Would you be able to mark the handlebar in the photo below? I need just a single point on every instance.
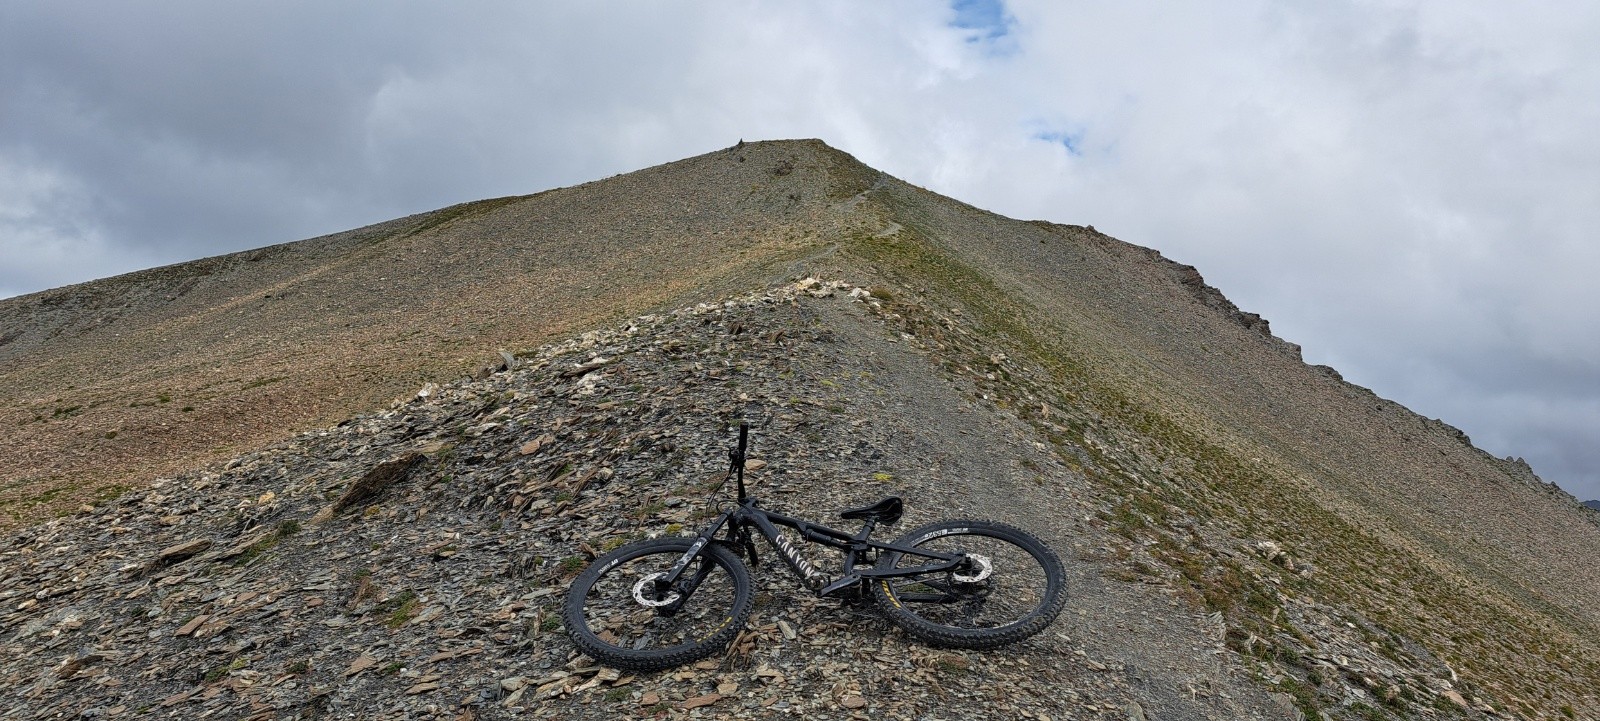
(737, 457)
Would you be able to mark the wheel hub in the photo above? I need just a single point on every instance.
(646, 587)
(981, 569)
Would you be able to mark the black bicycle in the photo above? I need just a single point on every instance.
(665, 602)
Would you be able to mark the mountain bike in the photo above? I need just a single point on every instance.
(665, 602)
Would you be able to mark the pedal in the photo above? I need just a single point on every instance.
(836, 589)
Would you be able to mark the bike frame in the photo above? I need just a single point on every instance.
(856, 548)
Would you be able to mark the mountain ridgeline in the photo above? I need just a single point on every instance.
(1249, 536)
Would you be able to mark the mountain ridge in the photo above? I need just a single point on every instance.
(1272, 495)
(441, 291)
(587, 443)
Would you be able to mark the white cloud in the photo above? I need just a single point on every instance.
(1405, 188)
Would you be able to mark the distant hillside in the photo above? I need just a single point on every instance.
(1592, 504)
(1299, 543)
(116, 381)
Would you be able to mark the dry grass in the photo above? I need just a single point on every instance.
(262, 344)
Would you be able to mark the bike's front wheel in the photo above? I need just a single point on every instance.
(622, 613)
(1009, 588)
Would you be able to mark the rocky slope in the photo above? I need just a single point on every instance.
(252, 590)
(1249, 536)
(113, 382)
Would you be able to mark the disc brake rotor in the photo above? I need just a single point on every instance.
(983, 568)
(649, 582)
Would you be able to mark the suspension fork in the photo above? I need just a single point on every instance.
(673, 579)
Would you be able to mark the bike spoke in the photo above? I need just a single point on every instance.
(924, 590)
(1011, 584)
(614, 612)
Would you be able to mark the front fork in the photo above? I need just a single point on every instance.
(673, 580)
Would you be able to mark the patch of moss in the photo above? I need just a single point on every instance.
(400, 608)
(571, 566)
(283, 530)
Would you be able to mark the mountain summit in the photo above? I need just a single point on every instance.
(353, 472)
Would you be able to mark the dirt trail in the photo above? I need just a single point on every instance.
(961, 456)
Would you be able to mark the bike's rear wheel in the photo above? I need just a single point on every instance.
(1012, 589)
(618, 614)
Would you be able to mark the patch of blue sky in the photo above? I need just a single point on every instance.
(985, 23)
(1071, 140)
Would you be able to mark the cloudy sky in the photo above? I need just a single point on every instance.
(1409, 190)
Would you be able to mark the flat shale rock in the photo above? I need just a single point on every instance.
(449, 524)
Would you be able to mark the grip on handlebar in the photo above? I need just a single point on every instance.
(744, 438)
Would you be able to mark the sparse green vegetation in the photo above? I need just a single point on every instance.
(217, 672)
(1305, 697)
(66, 412)
(283, 530)
(1119, 437)
(460, 211)
(110, 493)
(17, 506)
(571, 566)
(400, 608)
(257, 383)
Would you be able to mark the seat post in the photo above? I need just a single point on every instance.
(872, 522)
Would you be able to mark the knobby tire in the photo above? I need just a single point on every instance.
(606, 621)
(1023, 593)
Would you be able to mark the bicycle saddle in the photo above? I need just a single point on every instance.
(887, 511)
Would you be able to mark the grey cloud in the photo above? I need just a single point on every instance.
(1404, 189)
